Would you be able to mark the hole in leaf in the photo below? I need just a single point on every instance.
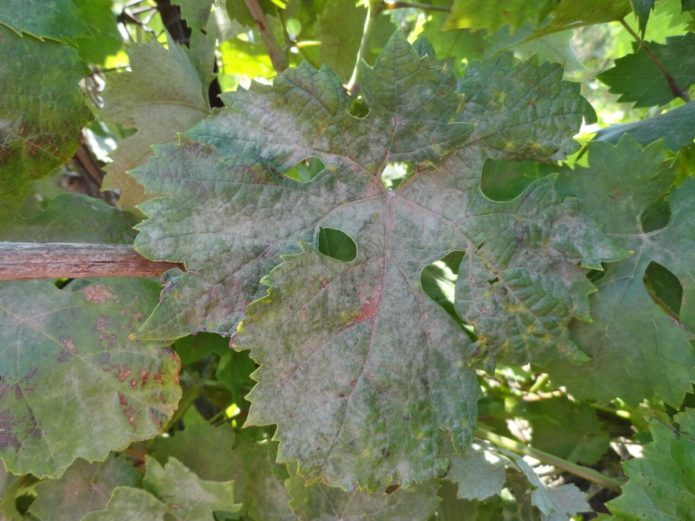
(505, 180)
(664, 288)
(358, 108)
(395, 173)
(337, 245)
(596, 275)
(656, 215)
(305, 170)
(438, 281)
(61, 283)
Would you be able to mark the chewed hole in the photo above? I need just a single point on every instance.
(664, 288)
(395, 173)
(596, 275)
(337, 245)
(358, 108)
(305, 170)
(505, 180)
(438, 281)
(655, 216)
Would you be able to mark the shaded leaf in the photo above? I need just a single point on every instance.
(481, 14)
(642, 10)
(84, 487)
(620, 183)
(636, 78)
(68, 365)
(34, 141)
(161, 96)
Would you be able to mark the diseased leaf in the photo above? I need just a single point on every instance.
(636, 78)
(331, 336)
(34, 141)
(67, 365)
(676, 127)
(630, 334)
(185, 494)
(478, 473)
(161, 96)
(130, 504)
(84, 487)
(661, 484)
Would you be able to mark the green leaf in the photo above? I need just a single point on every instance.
(661, 484)
(67, 365)
(676, 127)
(571, 14)
(84, 487)
(185, 494)
(87, 25)
(161, 96)
(620, 183)
(636, 78)
(130, 504)
(481, 14)
(478, 473)
(195, 12)
(10, 487)
(642, 9)
(35, 141)
(63, 219)
(364, 322)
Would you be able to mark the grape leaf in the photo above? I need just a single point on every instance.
(67, 366)
(34, 141)
(161, 95)
(642, 10)
(631, 335)
(83, 488)
(676, 127)
(636, 78)
(88, 25)
(661, 484)
(195, 12)
(478, 473)
(570, 14)
(481, 14)
(9, 489)
(130, 504)
(185, 494)
(362, 323)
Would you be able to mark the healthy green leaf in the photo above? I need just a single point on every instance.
(87, 25)
(570, 14)
(361, 323)
(620, 183)
(161, 96)
(479, 14)
(676, 127)
(642, 10)
(185, 494)
(35, 141)
(84, 487)
(637, 78)
(130, 504)
(661, 485)
(195, 12)
(68, 366)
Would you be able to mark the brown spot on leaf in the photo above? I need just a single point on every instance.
(123, 374)
(127, 409)
(7, 439)
(370, 306)
(97, 293)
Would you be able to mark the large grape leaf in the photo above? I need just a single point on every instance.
(355, 354)
(636, 78)
(130, 504)
(35, 141)
(160, 96)
(661, 485)
(632, 335)
(481, 14)
(83, 488)
(68, 368)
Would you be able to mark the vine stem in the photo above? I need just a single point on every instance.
(573, 468)
(675, 88)
(23, 261)
(373, 9)
(277, 56)
(389, 6)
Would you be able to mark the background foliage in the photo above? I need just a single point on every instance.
(451, 243)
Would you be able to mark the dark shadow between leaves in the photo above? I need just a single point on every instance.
(358, 108)
(657, 215)
(664, 288)
(504, 180)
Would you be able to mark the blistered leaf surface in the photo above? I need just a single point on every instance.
(67, 366)
(360, 369)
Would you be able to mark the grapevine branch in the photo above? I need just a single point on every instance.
(277, 56)
(415, 5)
(22, 261)
(675, 88)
